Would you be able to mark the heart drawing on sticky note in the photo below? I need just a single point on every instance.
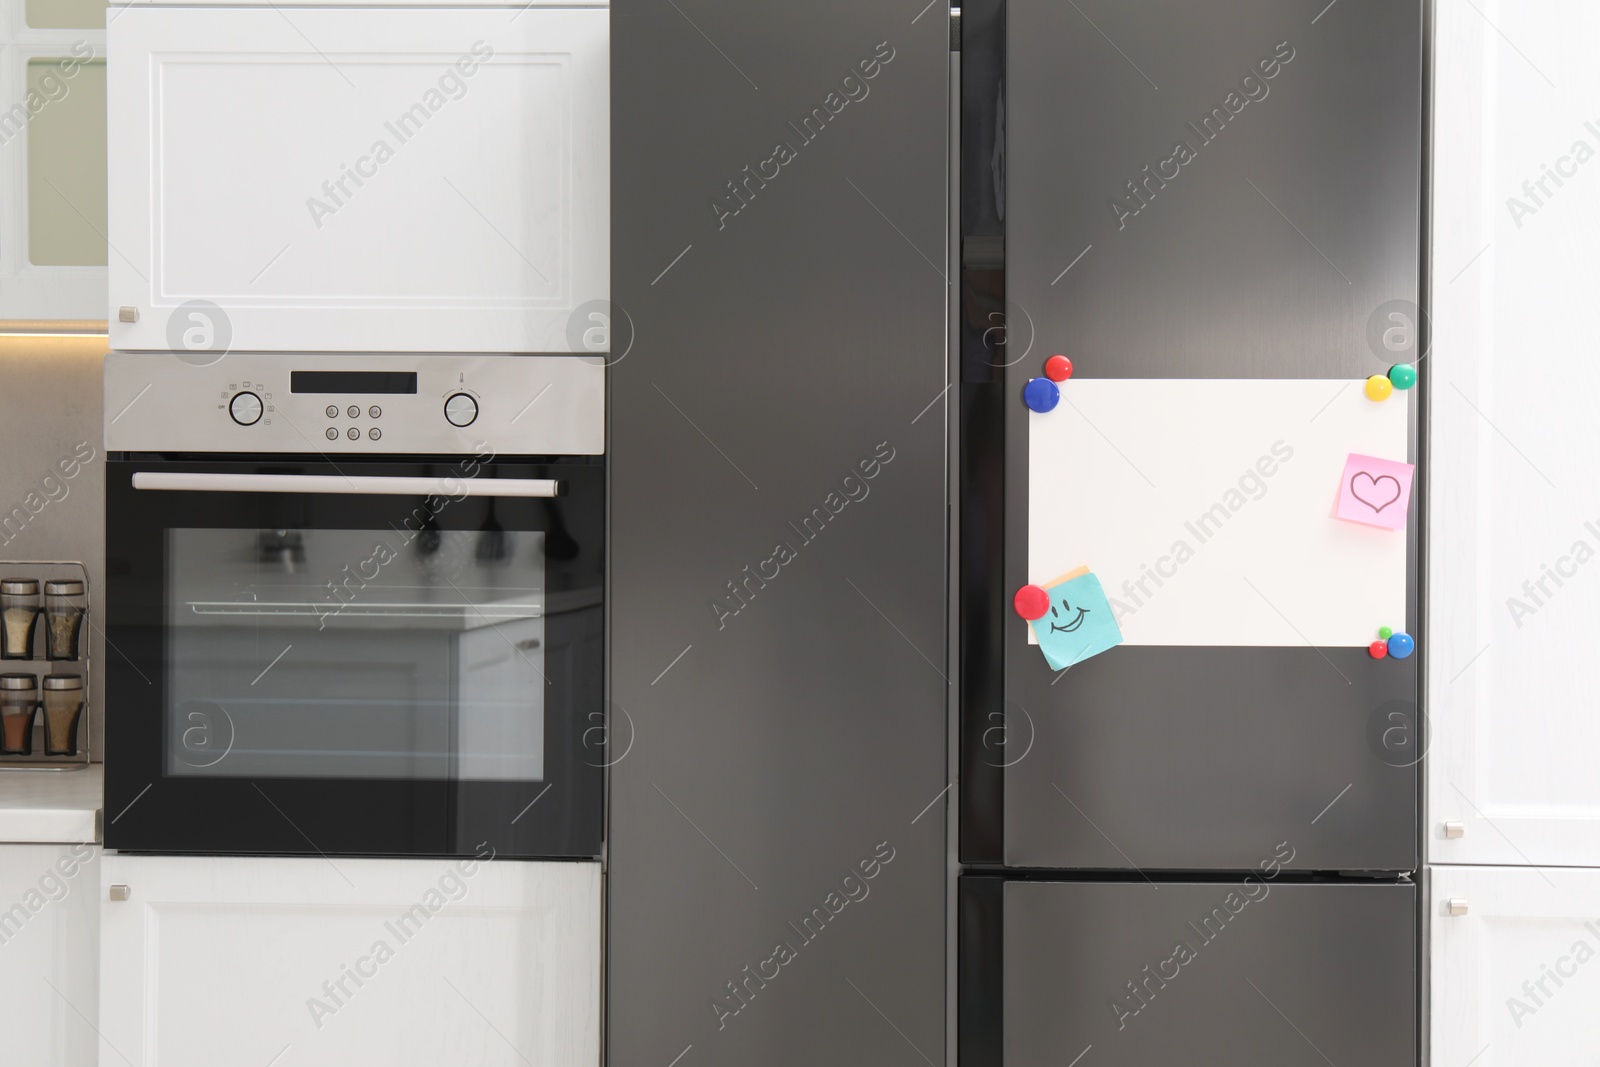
(1376, 493)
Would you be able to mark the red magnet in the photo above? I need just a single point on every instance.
(1031, 602)
(1058, 368)
(1378, 649)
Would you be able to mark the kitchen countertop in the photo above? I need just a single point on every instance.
(51, 806)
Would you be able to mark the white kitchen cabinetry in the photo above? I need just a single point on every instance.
(48, 947)
(1516, 973)
(342, 961)
(1514, 489)
(358, 178)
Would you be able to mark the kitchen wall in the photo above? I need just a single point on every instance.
(50, 411)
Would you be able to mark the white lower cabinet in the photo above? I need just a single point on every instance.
(1515, 976)
(48, 945)
(311, 962)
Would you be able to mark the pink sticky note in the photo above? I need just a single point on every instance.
(1375, 491)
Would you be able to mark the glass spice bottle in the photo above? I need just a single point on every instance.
(63, 707)
(64, 606)
(19, 615)
(19, 703)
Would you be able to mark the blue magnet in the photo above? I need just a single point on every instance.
(1401, 646)
(1041, 394)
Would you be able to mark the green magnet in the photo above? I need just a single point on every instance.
(1385, 633)
(1403, 375)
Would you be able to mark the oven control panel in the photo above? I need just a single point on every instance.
(422, 404)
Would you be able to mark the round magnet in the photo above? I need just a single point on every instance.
(1385, 632)
(1058, 368)
(1041, 394)
(1379, 387)
(1402, 376)
(1401, 646)
(1031, 602)
(1378, 649)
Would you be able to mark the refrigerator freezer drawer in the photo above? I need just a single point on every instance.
(1236, 971)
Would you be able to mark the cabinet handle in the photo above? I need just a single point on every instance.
(528, 644)
(1457, 906)
(1454, 830)
(121, 892)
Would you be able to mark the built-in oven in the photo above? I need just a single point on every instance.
(355, 605)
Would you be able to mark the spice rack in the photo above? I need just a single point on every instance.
(41, 666)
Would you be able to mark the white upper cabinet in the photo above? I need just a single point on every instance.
(52, 160)
(1516, 968)
(1514, 489)
(358, 179)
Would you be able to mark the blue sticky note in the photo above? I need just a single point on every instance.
(1079, 623)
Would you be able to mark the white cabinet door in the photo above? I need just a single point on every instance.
(358, 179)
(1516, 979)
(1514, 490)
(49, 946)
(334, 962)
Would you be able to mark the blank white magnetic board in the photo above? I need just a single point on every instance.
(1206, 508)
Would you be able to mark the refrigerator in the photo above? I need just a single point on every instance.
(777, 885)
(1200, 845)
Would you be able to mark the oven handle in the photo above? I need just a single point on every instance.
(178, 481)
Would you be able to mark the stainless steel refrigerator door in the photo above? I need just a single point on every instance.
(1258, 972)
(1268, 255)
(1262, 251)
(777, 869)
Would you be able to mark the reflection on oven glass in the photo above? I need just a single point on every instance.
(356, 654)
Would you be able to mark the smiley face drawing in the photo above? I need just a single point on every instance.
(1079, 623)
(1065, 612)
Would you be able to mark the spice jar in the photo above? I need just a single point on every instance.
(64, 605)
(63, 707)
(19, 702)
(19, 614)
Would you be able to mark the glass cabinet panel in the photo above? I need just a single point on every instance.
(65, 14)
(67, 163)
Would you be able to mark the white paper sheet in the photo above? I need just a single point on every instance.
(1206, 508)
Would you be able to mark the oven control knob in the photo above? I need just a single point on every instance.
(461, 410)
(245, 409)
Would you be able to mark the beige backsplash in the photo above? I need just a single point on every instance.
(50, 411)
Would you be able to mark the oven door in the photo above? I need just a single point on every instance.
(356, 658)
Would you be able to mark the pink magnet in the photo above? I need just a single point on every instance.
(1031, 602)
(1058, 368)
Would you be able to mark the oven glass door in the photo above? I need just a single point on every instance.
(381, 658)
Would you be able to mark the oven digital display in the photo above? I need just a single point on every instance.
(352, 381)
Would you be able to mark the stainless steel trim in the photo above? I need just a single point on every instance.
(181, 481)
